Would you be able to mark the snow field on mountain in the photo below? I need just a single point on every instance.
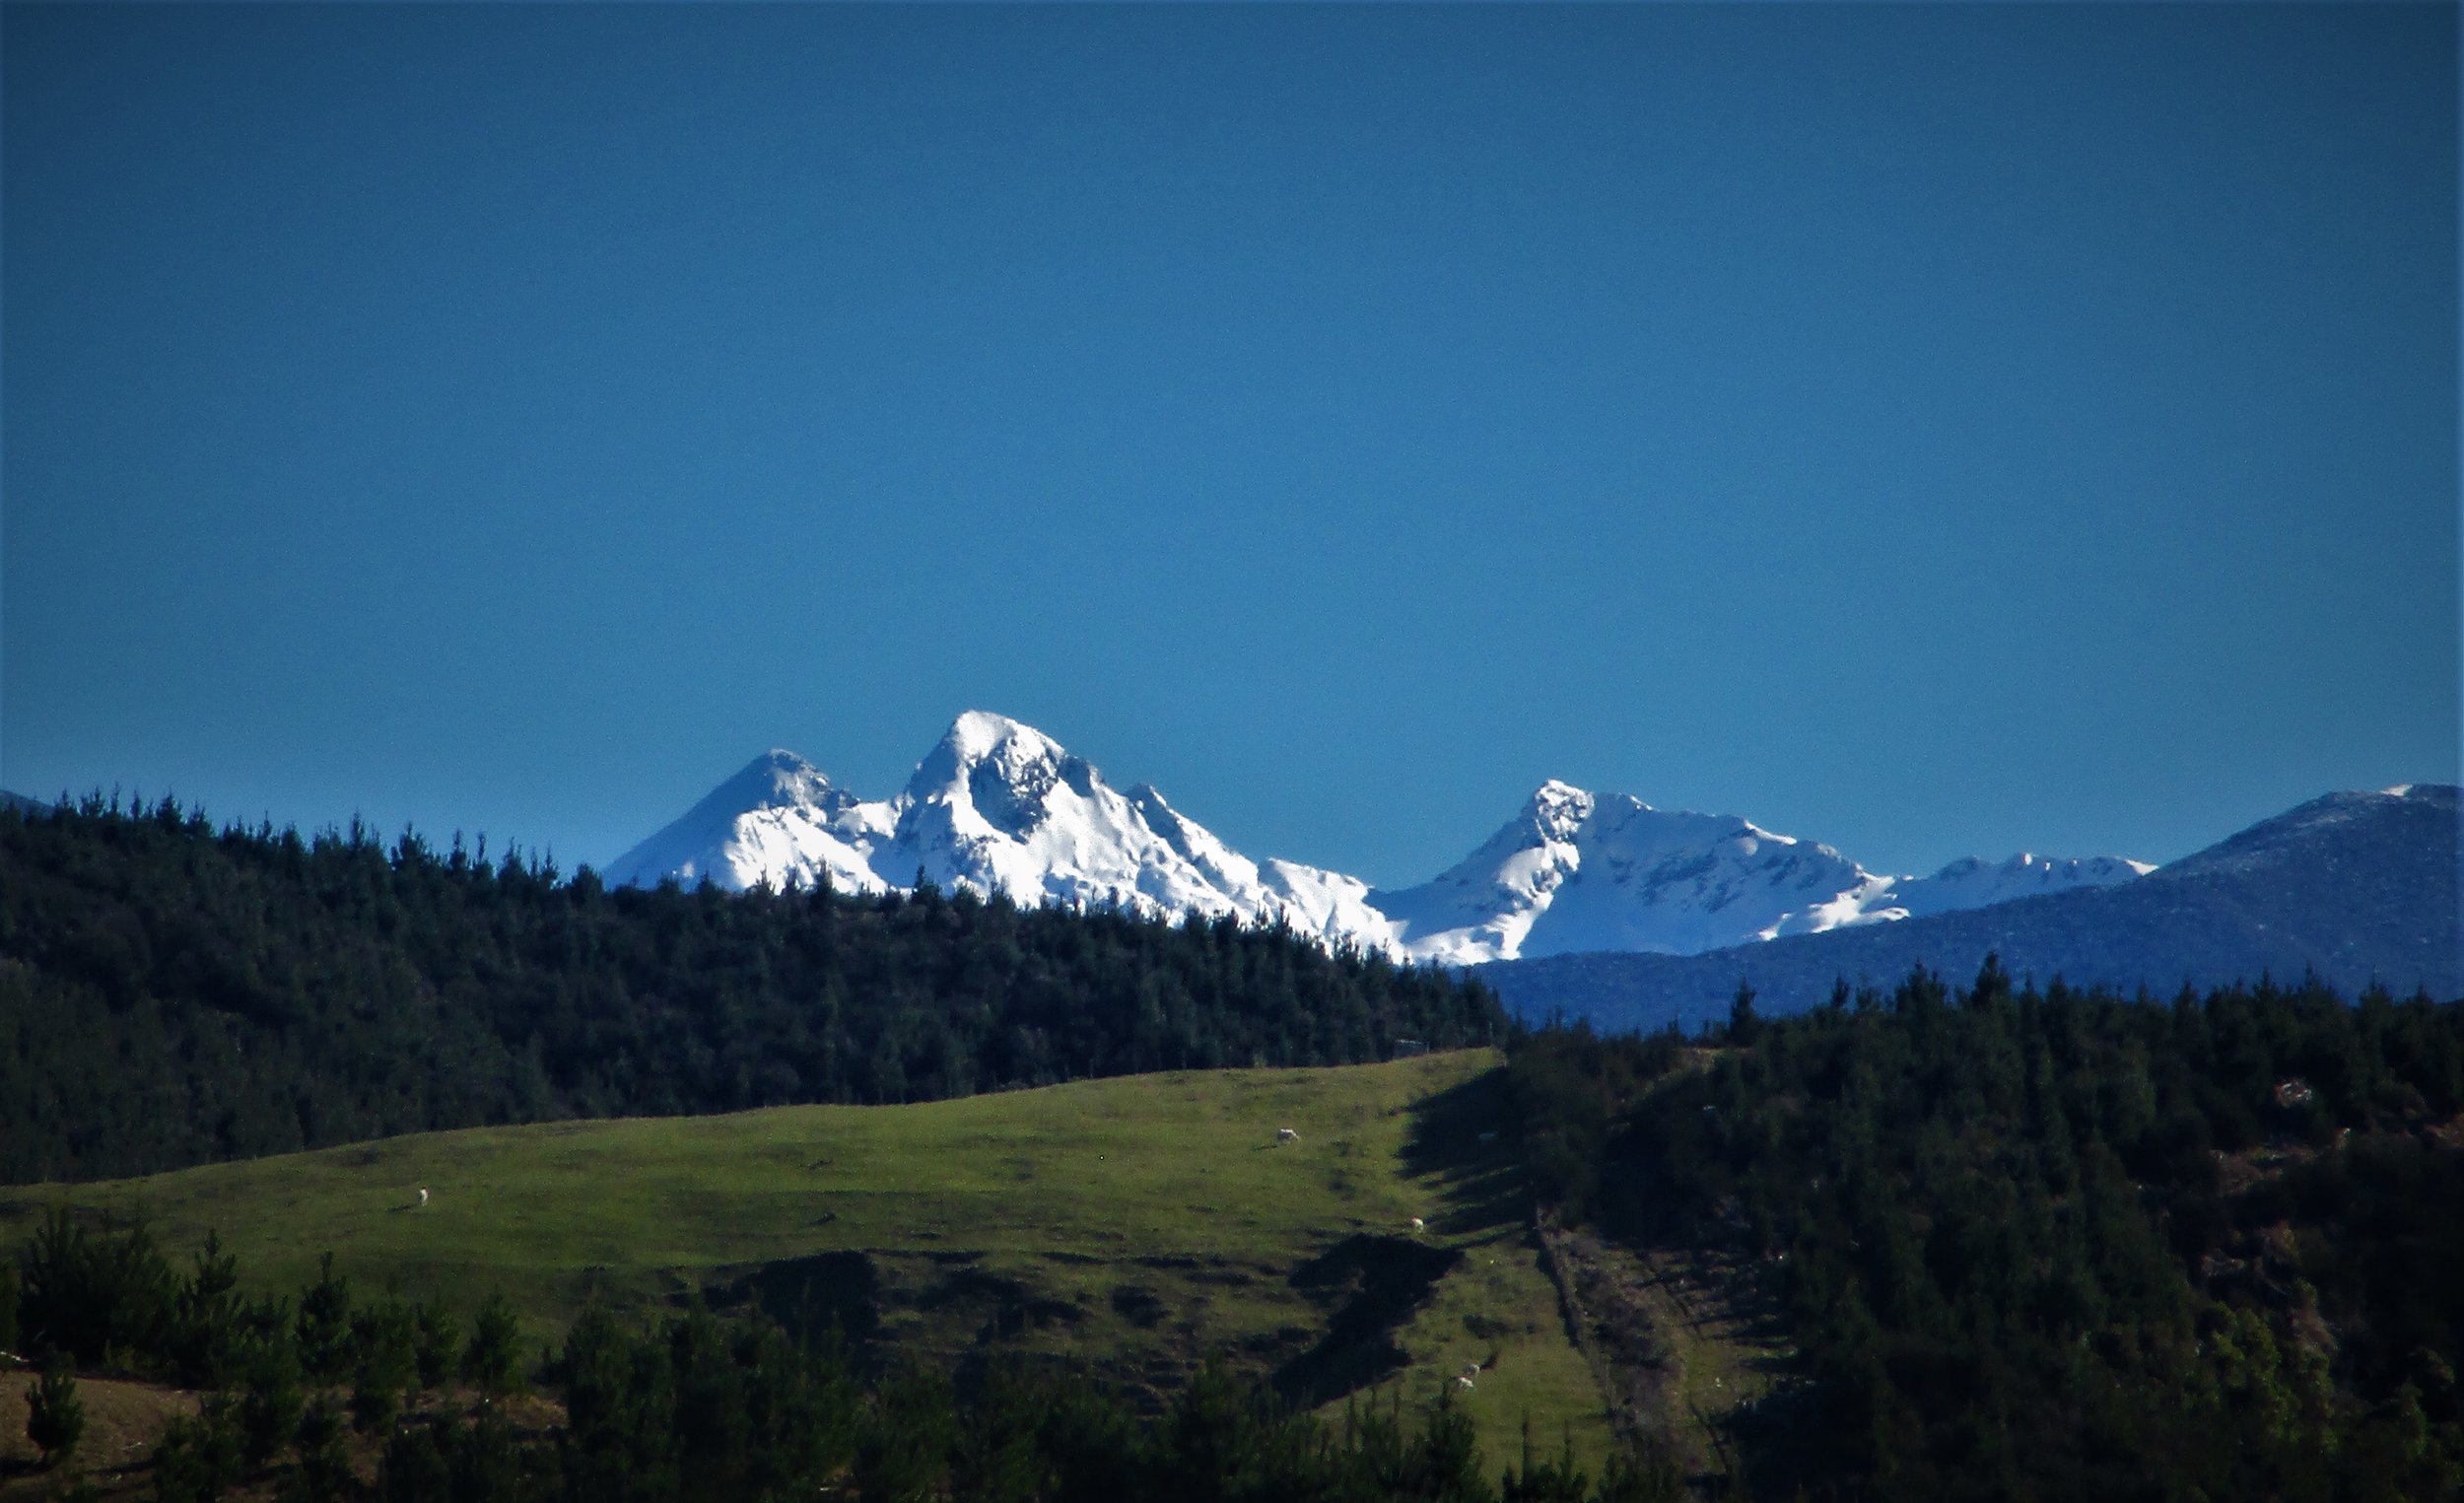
(999, 807)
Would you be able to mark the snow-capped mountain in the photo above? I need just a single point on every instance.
(1576, 872)
(779, 819)
(2354, 888)
(1974, 883)
(999, 807)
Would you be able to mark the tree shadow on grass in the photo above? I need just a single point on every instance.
(810, 1297)
(1464, 1145)
(1373, 1286)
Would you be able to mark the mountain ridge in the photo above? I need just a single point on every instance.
(2356, 888)
(997, 805)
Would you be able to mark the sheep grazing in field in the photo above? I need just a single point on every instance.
(1286, 1136)
(1419, 1225)
(423, 1195)
(1463, 1382)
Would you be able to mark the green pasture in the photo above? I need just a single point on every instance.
(1137, 1225)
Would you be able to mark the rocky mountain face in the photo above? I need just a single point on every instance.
(999, 807)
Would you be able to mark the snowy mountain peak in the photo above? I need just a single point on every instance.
(1973, 882)
(780, 778)
(980, 735)
(773, 780)
(1000, 773)
(778, 820)
(999, 807)
(1557, 810)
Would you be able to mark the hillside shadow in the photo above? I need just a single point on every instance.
(809, 1297)
(1461, 1147)
(1463, 1143)
(1374, 1284)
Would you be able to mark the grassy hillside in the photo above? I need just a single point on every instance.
(1135, 1224)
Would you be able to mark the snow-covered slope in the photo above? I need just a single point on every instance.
(2355, 888)
(1976, 883)
(1574, 871)
(1577, 872)
(999, 807)
(779, 819)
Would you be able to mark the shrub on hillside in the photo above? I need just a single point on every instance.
(55, 1417)
(94, 1295)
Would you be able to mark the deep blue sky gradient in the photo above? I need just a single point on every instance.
(1934, 430)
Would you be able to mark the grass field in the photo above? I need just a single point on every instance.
(1137, 1224)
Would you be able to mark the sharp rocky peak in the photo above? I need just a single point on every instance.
(1003, 763)
(981, 735)
(1557, 810)
(997, 804)
(778, 778)
(1014, 778)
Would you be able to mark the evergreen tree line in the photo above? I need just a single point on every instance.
(173, 994)
(2052, 1244)
(284, 1379)
(691, 1408)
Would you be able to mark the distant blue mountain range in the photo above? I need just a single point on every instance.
(2356, 887)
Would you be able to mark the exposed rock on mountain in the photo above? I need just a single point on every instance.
(999, 807)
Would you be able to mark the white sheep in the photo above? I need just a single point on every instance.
(423, 1195)
(1463, 1382)
(1286, 1136)
(1418, 1225)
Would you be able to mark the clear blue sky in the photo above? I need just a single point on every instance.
(1931, 429)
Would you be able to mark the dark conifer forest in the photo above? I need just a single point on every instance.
(173, 993)
(2040, 1244)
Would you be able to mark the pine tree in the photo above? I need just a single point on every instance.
(493, 1358)
(55, 1416)
(324, 1325)
(1743, 1025)
(325, 1463)
(436, 1346)
(269, 1398)
(205, 1330)
(384, 1350)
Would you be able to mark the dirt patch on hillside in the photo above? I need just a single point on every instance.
(124, 1422)
(1684, 1347)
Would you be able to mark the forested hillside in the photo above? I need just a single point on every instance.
(172, 993)
(337, 1394)
(2051, 1245)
